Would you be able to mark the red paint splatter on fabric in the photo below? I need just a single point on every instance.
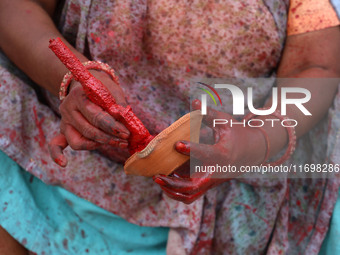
(304, 234)
(41, 138)
(111, 33)
(95, 38)
(201, 245)
(297, 6)
(12, 135)
(253, 210)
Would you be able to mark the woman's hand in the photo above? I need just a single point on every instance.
(235, 146)
(86, 126)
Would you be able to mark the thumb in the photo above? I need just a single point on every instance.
(202, 152)
(211, 115)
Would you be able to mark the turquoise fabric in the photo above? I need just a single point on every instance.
(51, 220)
(331, 244)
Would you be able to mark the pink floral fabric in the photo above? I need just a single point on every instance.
(156, 47)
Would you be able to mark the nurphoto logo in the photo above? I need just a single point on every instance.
(239, 104)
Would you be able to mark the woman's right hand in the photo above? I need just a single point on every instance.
(85, 125)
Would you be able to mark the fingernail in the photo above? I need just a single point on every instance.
(159, 181)
(181, 145)
(60, 161)
(124, 135)
(120, 133)
(123, 145)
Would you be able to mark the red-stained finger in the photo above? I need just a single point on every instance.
(183, 147)
(101, 119)
(202, 152)
(76, 140)
(56, 147)
(92, 133)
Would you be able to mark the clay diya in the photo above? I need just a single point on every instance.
(160, 156)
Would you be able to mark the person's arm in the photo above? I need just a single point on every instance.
(314, 56)
(26, 27)
(25, 30)
(310, 55)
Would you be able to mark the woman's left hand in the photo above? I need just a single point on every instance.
(234, 146)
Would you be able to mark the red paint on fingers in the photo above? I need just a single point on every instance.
(183, 147)
(101, 96)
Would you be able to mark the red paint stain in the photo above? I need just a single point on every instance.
(12, 135)
(41, 137)
(298, 202)
(297, 6)
(95, 38)
(183, 147)
(262, 56)
(253, 210)
(59, 161)
(153, 211)
(304, 234)
(111, 33)
(127, 187)
(201, 245)
(65, 244)
(24, 241)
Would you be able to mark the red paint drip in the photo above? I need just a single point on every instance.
(100, 95)
(38, 123)
(253, 210)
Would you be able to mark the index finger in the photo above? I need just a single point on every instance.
(101, 119)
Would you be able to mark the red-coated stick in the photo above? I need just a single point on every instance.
(100, 95)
